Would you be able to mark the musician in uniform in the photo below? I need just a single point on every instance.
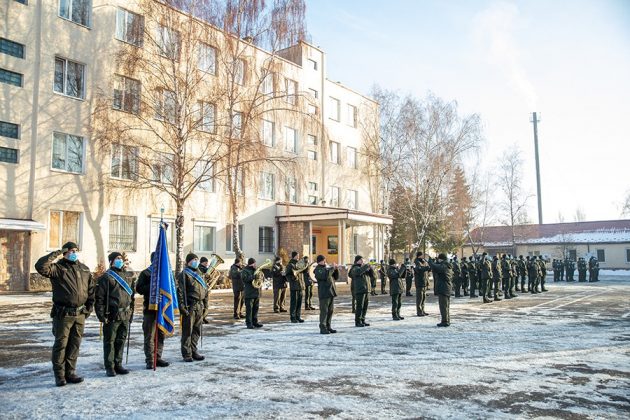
(192, 295)
(326, 291)
(421, 275)
(237, 288)
(252, 293)
(396, 287)
(114, 308)
(361, 274)
(308, 286)
(382, 273)
(296, 286)
(279, 286)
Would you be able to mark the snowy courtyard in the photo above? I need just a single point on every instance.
(561, 354)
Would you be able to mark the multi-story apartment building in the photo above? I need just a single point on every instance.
(59, 183)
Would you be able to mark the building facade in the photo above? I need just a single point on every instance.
(608, 241)
(57, 67)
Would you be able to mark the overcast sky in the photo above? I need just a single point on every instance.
(568, 60)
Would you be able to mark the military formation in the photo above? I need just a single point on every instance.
(76, 294)
(565, 270)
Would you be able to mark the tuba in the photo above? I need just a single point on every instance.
(259, 276)
(300, 267)
(213, 275)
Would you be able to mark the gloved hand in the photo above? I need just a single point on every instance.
(184, 310)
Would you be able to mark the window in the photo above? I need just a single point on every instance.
(22, 1)
(312, 63)
(334, 152)
(313, 244)
(204, 172)
(64, 227)
(351, 115)
(291, 192)
(312, 155)
(312, 186)
(601, 255)
(267, 84)
(11, 48)
(352, 198)
(265, 239)
(312, 200)
(124, 162)
(314, 93)
(129, 27)
(334, 196)
(268, 133)
(207, 117)
(628, 255)
(163, 168)
(228, 237)
(311, 109)
(573, 255)
(239, 72)
(10, 130)
(170, 234)
(204, 238)
(126, 94)
(290, 139)
(67, 153)
(352, 157)
(290, 91)
(168, 42)
(166, 106)
(69, 78)
(10, 77)
(8, 155)
(237, 124)
(267, 186)
(311, 140)
(334, 109)
(122, 233)
(208, 59)
(77, 11)
(354, 244)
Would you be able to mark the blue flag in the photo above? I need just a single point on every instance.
(163, 297)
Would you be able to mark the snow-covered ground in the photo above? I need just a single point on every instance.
(561, 354)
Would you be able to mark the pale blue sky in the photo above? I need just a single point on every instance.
(568, 60)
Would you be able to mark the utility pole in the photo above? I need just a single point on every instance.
(535, 121)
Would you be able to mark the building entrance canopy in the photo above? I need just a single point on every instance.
(21, 224)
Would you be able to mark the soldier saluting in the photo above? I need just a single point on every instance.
(114, 308)
(73, 301)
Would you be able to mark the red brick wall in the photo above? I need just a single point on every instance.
(292, 236)
(14, 246)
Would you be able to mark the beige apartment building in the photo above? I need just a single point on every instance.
(57, 65)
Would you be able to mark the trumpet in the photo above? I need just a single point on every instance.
(259, 276)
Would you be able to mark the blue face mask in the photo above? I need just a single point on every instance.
(194, 264)
(72, 257)
(119, 264)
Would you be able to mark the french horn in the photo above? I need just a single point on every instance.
(259, 276)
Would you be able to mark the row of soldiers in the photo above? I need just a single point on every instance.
(560, 268)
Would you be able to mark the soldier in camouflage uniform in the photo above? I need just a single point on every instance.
(570, 270)
(521, 270)
(582, 267)
(506, 275)
(396, 287)
(360, 274)
(457, 276)
(421, 278)
(472, 276)
(532, 275)
(326, 292)
(543, 273)
(192, 296)
(486, 277)
(496, 277)
(73, 301)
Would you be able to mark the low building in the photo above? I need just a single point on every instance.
(608, 241)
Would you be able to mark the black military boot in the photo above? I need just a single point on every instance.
(121, 370)
(486, 300)
(73, 379)
(197, 356)
(257, 325)
(110, 372)
(497, 298)
(324, 331)
(60, 382)
(332, 331)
